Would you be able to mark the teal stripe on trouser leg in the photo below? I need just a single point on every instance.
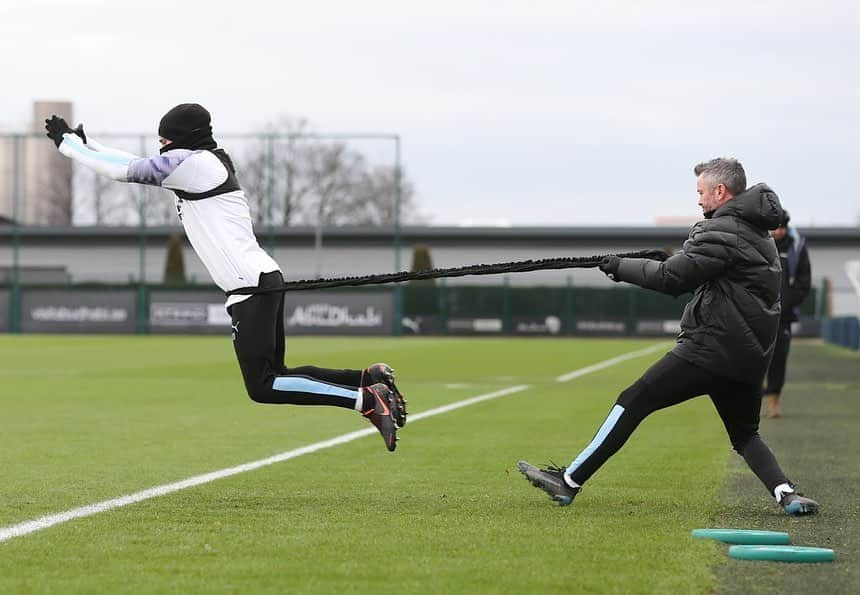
(306, 385)
(595, 443)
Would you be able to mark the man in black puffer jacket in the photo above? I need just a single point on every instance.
(728, 329)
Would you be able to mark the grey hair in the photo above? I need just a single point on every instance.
(726, 171)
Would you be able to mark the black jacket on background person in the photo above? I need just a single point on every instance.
(796, 274)
(730, 260)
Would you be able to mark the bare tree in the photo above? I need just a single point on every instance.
(293, 177)
(272, 172)
(376, 198)
(54, 204)
(98, 200)
(297, 185)
(101, 187)
(334, 172)
(255, 175)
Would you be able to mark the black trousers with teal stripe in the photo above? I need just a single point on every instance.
(671, 381)
(258, 339)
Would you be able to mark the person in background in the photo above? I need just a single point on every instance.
(796, 283)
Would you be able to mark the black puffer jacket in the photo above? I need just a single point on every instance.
(731, 262)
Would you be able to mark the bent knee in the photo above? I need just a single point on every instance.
(259, 392)
(629, 396)
(741, 441)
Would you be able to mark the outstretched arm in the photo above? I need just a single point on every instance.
(107, 164)
(71, 143)
(112, 163)
(679, 274)
(97, 146)
(704, 257)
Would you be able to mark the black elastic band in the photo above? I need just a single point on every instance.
(582, 262)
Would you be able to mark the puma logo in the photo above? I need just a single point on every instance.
(235, 330)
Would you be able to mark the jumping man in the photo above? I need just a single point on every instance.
(215, 214)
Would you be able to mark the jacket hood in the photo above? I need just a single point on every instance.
(758, 205)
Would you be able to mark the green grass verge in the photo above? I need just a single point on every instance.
(817, 443)
(91, 418)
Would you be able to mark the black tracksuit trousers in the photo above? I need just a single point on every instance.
(258, 338)
(668, 382)
(776, 371)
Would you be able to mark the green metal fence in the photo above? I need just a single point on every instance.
(410, 309)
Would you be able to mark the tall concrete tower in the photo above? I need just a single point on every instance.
(7, 179)
(47, 191)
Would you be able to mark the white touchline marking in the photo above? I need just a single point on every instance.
(31, 526)
(611, 362)
(466, 402)
(44, 522)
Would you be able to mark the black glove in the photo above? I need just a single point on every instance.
(79, 130)
(57, 127)
(609, 265)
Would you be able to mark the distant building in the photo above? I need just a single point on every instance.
(118, 255)
(42, 180)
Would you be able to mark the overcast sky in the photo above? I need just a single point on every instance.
(531, 112)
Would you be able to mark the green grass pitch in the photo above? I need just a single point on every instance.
(85, 419)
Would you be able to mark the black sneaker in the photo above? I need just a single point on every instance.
(383, 373)
(795, 504)
(551, 481)
(381, 414)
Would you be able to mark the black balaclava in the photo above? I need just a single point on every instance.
(188, 127)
